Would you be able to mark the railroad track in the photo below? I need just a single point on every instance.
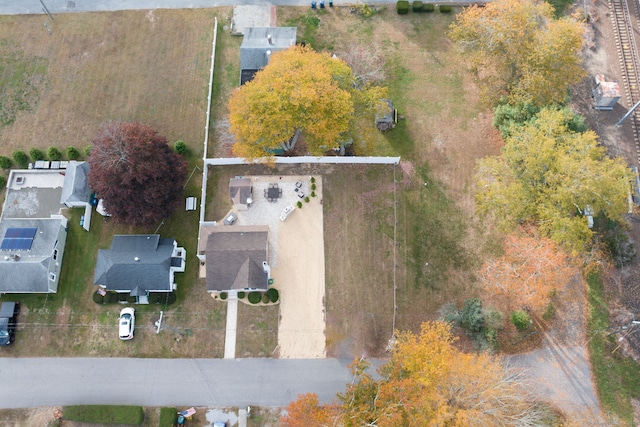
(621, 18)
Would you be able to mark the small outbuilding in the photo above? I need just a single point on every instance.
(386, 115)
(241, 192)
(606, 94)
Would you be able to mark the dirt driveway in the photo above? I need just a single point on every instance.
(560, 372)
(561, 375)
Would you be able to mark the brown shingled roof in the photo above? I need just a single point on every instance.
(235, 258)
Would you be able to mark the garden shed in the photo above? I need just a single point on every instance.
(386, 116)
(240, 191)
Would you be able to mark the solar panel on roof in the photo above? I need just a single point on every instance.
(18, 238)
(27, 232)
(11, 232)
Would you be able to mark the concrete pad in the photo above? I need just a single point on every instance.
(246, 16)
(242, 418)
(232, 321)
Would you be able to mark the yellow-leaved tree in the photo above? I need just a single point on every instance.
(518, 49)
(550, 175)
(301, 89)
(428, 382)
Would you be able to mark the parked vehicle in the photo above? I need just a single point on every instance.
(230, 219)
(8, 320)
(127, 323)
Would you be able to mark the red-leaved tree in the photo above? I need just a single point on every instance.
(135, 172)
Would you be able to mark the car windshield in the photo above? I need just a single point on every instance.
(4, 334)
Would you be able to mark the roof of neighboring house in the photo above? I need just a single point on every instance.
(25, 257)
(76, 183)
(240, 190)
(235, 256)
(257, 46)
(135, 263)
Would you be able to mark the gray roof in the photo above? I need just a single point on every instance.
(30, 272)
(259, 43)
(76, 184)
(240, 190)
(234, 259)
(135, 263)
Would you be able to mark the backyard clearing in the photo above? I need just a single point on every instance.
(84, 69)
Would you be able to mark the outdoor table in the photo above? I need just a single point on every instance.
(273, 192)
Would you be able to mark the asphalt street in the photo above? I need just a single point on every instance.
(28, 7)
(32, 382)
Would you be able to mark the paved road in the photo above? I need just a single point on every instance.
(22, 7)
(32, 382)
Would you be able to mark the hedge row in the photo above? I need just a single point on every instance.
(403, 6)
(271, 296)
(114, 297)
(104, 414)
(53, 153)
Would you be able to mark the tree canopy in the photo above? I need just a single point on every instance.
(135, 172)
(528, 273)
(301, 89)
(428, 382)
(518, 49)
(549, 174)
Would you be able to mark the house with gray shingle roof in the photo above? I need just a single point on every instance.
(235, 258)
(139, 264)
(33, 233)
(31, 252)
(258, 44)
(75, 190)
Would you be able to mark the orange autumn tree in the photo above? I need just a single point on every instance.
(429, 382)
(307, 412)
(528, 273)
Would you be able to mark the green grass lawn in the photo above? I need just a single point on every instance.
(104, 414)
(617, 378)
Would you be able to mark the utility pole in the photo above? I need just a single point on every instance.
(628, 114)
(46, 10)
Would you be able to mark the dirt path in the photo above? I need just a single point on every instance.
(560, 371)
(561, 375)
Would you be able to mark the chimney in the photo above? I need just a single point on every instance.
(136, 259)
(269, 39)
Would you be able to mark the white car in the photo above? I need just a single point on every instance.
(126, 323)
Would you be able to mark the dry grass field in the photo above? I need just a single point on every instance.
(147, 66)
